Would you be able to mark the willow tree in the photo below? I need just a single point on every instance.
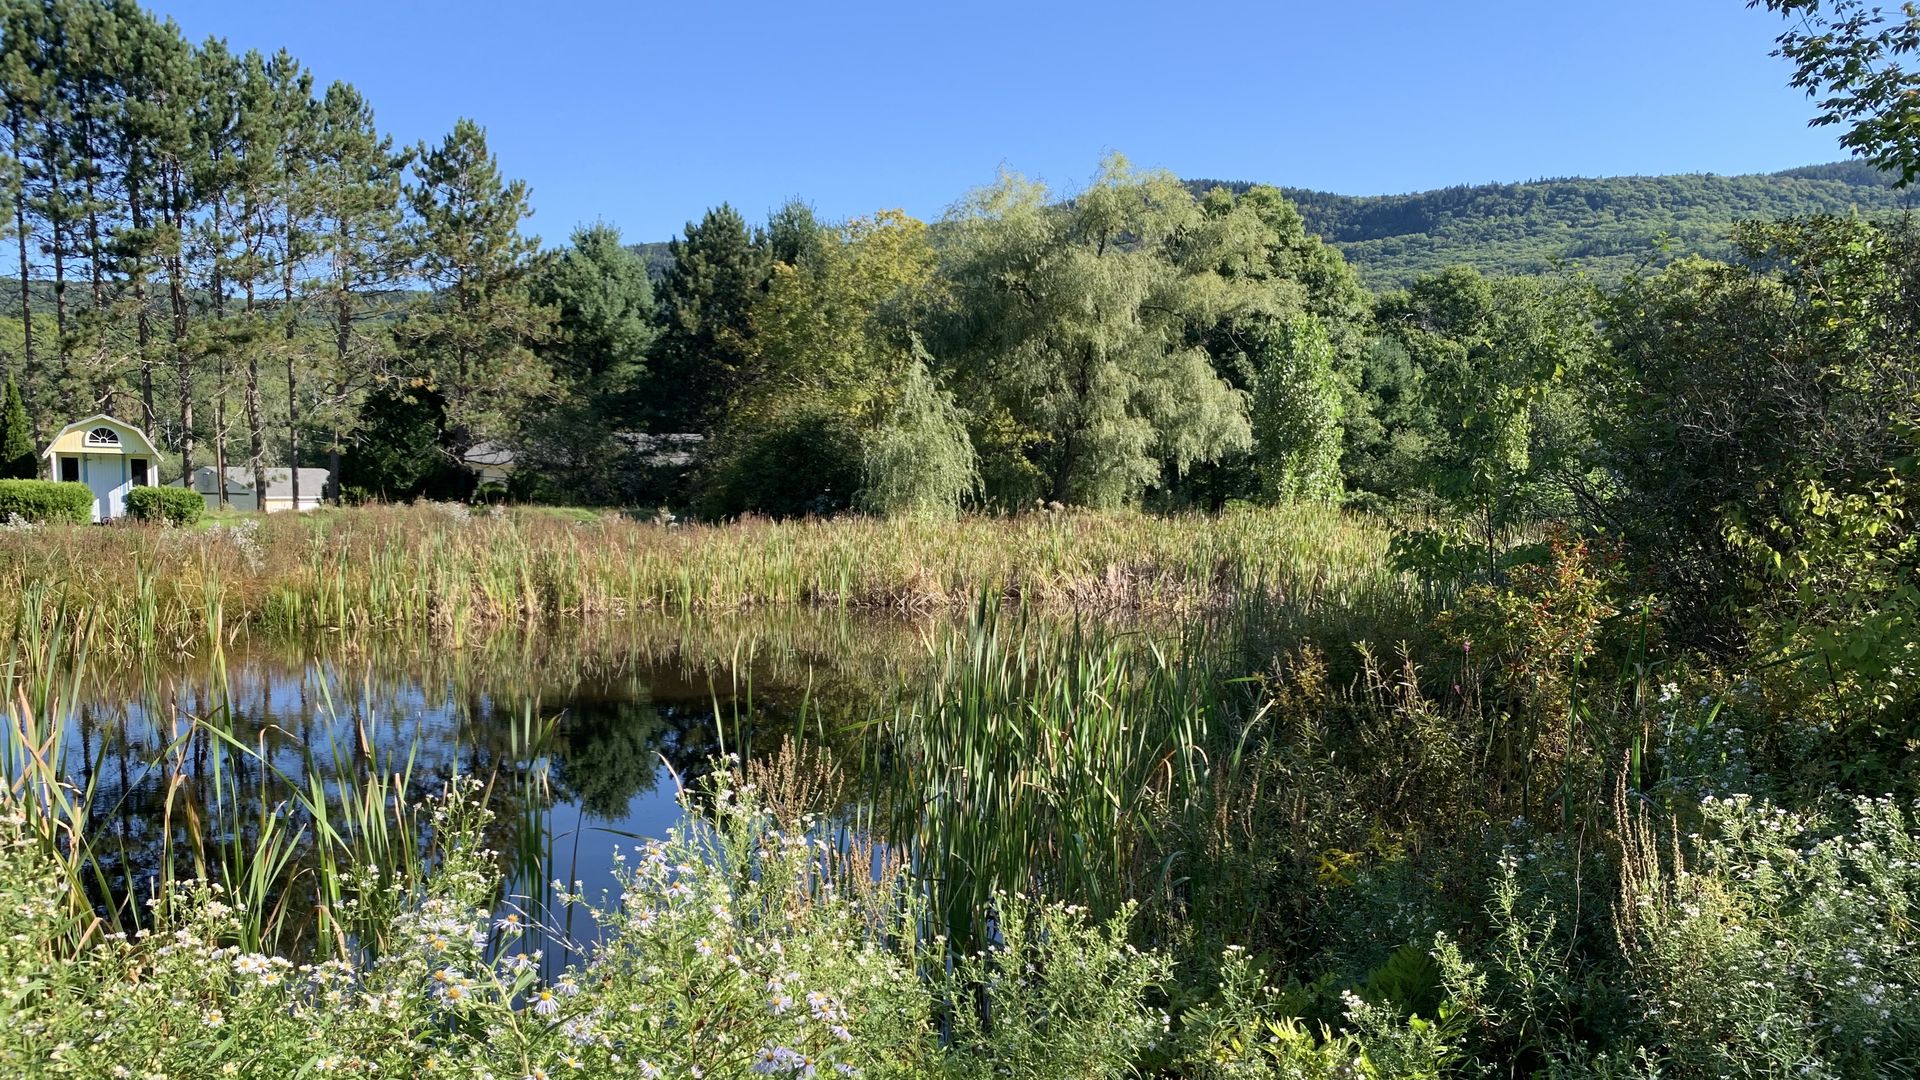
(918, 461)
(1069, 333)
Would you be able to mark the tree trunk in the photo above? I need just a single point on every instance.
(60, 318)
(293, 397)
(28, 382)
(342, 345)
(256, 430)
(142, 322)
(93, 217)
(221, 372)
(177, 300)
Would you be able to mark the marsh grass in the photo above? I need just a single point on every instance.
(1049, 764)
(458, 575)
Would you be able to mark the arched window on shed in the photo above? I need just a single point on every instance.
(103, 436)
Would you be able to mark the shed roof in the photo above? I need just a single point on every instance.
(490, 453)
(144, 445)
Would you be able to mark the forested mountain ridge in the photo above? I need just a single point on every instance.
(1605, 226)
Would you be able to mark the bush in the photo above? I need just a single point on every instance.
(41, 501)
(174, 506)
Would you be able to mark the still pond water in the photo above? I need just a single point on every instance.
(588, 737)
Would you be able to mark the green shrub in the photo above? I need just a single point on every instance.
(175, 506)
(41, 501)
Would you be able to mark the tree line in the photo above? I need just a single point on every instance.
(212, 244)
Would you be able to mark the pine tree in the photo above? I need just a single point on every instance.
(706, 331)
(24, 76)
(603, 303)
(295, 196)
(18, 461)
(362, 249)
(472, 339)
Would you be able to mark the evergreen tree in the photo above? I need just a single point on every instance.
(362, 253)
(398, 454)
(603, 304)
(706, 301)
(294, 196)
(24, 77)
(603, 309)
(472, 339)
(18, 458)
(793, 235)
(217, 245)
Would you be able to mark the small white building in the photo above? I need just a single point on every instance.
(492, 462)
(110, 456)
(279, 494)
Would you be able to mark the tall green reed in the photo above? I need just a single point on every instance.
(1051, 764)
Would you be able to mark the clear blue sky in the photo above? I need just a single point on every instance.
(644, 113)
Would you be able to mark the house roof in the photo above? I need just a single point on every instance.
(674, 449)
(279, 481)
(98, 419)
(669, 449)
(489, 453)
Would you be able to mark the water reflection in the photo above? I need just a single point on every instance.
(584, 738)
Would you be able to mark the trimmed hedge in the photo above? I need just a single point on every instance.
(42, 501)
(175, 506)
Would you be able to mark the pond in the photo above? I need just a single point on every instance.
(982, 753)
(585, 737)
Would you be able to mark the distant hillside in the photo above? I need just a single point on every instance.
(1605, 226)
(657, 255)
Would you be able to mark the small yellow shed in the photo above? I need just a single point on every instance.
(110, 456)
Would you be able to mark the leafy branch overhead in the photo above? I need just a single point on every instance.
(1849, 56)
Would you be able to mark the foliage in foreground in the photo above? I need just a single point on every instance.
(737, 948)
(1768, 944)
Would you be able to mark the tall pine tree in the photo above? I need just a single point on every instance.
(706, 330)
(603, 302)
(363, 253)
(472, 339)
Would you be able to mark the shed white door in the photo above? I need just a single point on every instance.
(103, 476)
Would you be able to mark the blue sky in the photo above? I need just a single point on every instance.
(644, 114)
